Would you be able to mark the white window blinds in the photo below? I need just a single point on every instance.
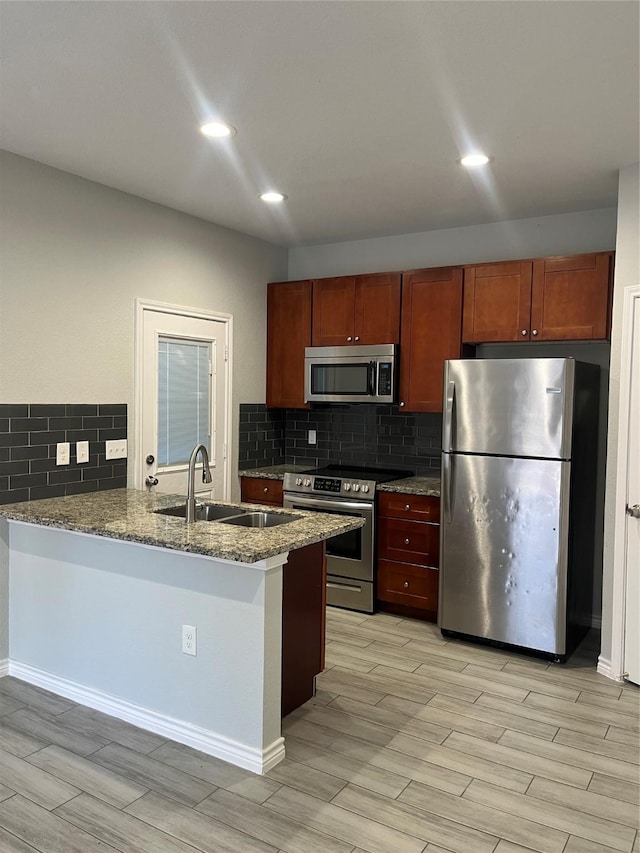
(184, 399)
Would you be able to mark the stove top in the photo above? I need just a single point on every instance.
(355, 472)
(342, 481)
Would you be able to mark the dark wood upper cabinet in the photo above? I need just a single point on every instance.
(377, 309)
(431, 325)
(361, 309)
(571, 297)
(497, 302)
(547, 299)
(288, 333)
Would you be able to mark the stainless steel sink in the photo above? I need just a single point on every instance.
(261, 519)
(204, 512)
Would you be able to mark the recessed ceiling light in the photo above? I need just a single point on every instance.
(474, 160)
(273, 197)
(217, 129)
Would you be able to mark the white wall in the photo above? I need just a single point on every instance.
(627, 274)
(74, 255)
(565, 234)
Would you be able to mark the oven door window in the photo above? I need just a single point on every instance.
(341, 378)
(345, 545)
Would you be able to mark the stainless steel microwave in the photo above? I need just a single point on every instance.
(356, 374)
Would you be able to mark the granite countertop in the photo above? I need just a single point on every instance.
(427, 485)
(275, 472)
(128, 515)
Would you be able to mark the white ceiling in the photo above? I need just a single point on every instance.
(356, 110)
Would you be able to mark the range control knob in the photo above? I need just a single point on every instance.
(356, 487)
(298, 481)
(347, 487)
(307, 482)
(365, 488)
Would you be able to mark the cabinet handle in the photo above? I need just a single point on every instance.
(406, 584)
(408, 507)
(349, 338)
(524, 333)
(401, 404)
(406, 541)
(266, 489)
(357, 337)
(534, 333)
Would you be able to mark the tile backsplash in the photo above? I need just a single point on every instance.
(261, 436)
(29, 433)
(359, 434)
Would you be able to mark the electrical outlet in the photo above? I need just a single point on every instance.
(189, 640)
(63, 450)
(82, 452)
(311, 436)
(116, 449)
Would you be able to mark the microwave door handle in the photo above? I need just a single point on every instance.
(372, 379)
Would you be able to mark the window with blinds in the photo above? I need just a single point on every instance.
(184, 399)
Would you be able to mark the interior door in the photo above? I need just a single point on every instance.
(183, 401)
(632, 544)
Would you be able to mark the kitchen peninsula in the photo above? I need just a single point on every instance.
(102, 587)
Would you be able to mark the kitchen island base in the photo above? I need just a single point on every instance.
(99, 621)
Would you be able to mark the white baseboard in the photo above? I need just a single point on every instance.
(4, 667)
(604, 668)
(205, 740)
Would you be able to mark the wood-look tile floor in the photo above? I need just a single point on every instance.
(412, 744)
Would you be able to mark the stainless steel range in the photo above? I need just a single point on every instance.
(350, 556)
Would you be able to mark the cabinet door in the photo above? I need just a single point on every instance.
(409, 541)
(333, 311)
(430, 333)
(497, 302)
(256, 490)
(411, 507)
(571, 297)
(408, 585)
(288, 333)
(377, 309)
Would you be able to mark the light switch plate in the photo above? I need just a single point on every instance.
(63, 451)
(116, 449)
(82, 452)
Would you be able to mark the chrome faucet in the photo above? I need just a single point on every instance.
(190, 512)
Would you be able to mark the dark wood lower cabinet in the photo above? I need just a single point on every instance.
(408, 544)
(303, 624)
(411, 585)
(304, 585)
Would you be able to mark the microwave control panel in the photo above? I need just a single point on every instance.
(384, 378)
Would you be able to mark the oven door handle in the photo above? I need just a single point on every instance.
(330, 504)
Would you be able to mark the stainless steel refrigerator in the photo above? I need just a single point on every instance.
(518, 501)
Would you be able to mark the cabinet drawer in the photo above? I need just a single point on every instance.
(415, 507)
(408, 541)
(258, 490)
(403, 583)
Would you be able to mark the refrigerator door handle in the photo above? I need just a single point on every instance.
(448, 416)
(447, 477)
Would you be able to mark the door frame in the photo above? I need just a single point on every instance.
(615, 667)
(136, 473)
